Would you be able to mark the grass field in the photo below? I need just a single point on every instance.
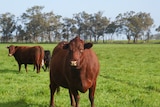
(129, 77)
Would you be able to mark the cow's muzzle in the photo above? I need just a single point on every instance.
(73, 63)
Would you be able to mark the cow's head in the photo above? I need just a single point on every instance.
(11, 50)
(76, 49)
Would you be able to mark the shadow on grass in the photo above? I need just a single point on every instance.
(8, 71)
(3, 71)
(20, 103)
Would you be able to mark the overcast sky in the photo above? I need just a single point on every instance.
(67, 8)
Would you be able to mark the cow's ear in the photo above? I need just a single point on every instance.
(88, 45)
(7, 47)
(65, 46)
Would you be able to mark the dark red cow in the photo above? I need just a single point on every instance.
(27, 55)
(74, 66)
(47, 58)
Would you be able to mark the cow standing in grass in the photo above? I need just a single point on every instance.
(47, 58)
(27, 55)
(74, 66)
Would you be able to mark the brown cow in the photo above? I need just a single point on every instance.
(27, 55)
(74, 66)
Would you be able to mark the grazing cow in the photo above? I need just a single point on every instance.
(47, 58)
(74, 66)
(27, 55)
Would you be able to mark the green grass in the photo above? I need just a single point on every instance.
(129, 77)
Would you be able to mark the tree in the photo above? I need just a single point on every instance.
(139, 24)
(123, 23)
(34, 21)
(90, 24)
(158, 29)
(7, 24)
(83, 23)
(99, 25)
(53, 25)
(42, 26)
(134, 24)
(69, 28)
(111, 29)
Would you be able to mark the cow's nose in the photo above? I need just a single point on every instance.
(73, 63)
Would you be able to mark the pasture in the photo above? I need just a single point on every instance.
(129, 77)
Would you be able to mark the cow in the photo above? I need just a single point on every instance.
(74, 66)
(27, 55)
(47, 58)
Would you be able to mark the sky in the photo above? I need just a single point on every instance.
(66, 8)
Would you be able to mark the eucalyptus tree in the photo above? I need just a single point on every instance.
(134, 24)
(69, 28)
(123, 23)
(20, 33)
(99, 25)
(84, 24)
(111, 29)
(91, 25)
(158, 29)
(7, 26)
(139, 24)
(34, 21)
(52, 26)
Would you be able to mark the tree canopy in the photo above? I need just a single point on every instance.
(38, 26)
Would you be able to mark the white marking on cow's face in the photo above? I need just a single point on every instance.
(9, 54)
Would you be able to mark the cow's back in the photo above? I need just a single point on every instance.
(25, 54)
(57, 65)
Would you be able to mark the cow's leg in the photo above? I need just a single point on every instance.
(25, 67)
(34, 67)
(47, 65)
(38, 68)
(52, 91)
(72, 98)
(43, 67)
(91, 94)
(76, 97)
(19, 66)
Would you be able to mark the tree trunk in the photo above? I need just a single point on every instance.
(128, 37)
(90, 38)
(134, 40)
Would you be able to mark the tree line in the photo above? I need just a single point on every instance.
(34, 25)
